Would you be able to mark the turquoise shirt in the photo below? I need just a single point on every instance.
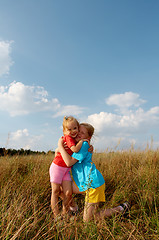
(84, 172)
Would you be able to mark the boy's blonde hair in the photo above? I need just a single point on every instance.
(68, 119)
(89, 128)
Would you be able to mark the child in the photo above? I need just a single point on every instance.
(87, 178)
(59, 171)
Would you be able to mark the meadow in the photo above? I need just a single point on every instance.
(25, 190)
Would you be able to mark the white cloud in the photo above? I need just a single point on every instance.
(5, 59)
(22, 139)
(126, 126)
(154, 110)
(132, 122)
(68, 110)
(125, 100)
(104, 120)
(19, 134)
(19, 99)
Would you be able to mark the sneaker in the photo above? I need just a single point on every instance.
(126, 208)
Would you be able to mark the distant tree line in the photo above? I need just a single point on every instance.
(11, 152)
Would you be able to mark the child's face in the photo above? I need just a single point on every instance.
(83, 133)
(71, 129)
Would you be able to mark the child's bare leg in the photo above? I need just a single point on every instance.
(109, 212)
(55, 198)
(75, 189)
(67, 191)
(61, 193)
(90, 210)
(73, 205)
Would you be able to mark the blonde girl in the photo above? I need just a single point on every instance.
(59, 171)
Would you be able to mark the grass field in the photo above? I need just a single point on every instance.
(129, 175)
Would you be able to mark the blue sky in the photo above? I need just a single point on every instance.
(95, 60)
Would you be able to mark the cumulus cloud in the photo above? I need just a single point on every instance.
(154, 111)
(22, 139)
(125, 100)
(19, 134)
(125, 125)
(132, 122)
(5, 58)
(19, 99)
(68, 110)
(104, 120)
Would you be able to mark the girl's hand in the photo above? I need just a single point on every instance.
(60, 143)
(90, 149)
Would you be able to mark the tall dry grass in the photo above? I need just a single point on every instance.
(25, 198)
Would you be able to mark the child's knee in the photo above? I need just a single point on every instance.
(55, 191)
(68, 193)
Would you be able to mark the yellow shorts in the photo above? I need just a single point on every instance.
(95, 195)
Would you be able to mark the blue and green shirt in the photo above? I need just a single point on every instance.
(84, 172)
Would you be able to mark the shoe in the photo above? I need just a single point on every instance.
(126, 206)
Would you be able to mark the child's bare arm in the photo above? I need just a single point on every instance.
(77, 147)
(56, 151)
(66, 157)
(90, 149)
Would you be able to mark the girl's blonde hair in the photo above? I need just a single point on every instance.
(89, 127)
(68, 119)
